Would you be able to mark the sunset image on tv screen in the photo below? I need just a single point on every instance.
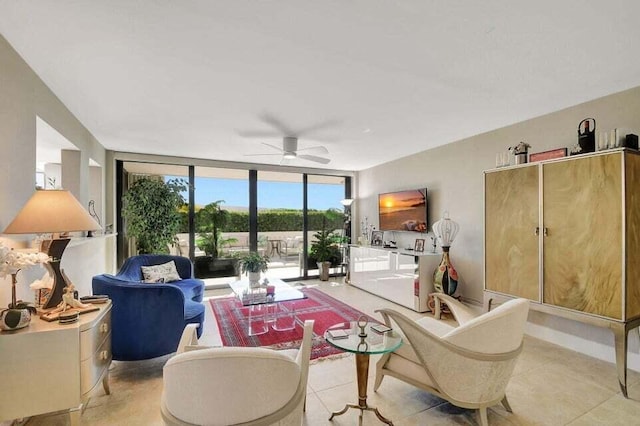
(403, 211)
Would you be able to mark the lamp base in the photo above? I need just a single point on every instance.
(55, 249)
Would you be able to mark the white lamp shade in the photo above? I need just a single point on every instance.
(347, 202)
(446, 230)
(52, 211)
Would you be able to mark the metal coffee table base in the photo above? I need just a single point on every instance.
(362, 371)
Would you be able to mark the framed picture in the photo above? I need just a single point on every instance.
(376, 238)
(548, 155)
(419, 246)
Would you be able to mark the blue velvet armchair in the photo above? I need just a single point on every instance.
(148, 319)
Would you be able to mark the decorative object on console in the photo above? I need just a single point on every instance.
(548, 155)
(376, 238)
(520, 152)
(445, 277)
(252, 264)
(69, 306)
(419, 245)
(11, 262)
(631, 141)
(365, 231)
(52, 211)
(94, 215)
(587, 135)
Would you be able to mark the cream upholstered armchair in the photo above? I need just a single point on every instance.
(468, 365)
(235, 386)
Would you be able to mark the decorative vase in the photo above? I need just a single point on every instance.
(13, 319)
(445, 277)
(254, 279)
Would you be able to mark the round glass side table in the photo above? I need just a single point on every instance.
(348, 337)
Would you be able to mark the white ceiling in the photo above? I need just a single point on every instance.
(372, 80)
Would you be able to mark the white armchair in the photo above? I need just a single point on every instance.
(235, 386)
(468, 365)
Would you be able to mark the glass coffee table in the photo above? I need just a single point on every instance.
(266, 305)
(348, 337)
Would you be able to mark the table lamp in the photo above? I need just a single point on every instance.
(53, 212)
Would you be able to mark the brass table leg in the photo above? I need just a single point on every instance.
(362, 372)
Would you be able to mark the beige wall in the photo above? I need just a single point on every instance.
(23, 96)
(454, 178)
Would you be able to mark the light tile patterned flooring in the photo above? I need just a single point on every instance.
(550, 386)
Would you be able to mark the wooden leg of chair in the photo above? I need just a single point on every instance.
(505, 404)
(378, 382)
(482, 413)
(379, 374)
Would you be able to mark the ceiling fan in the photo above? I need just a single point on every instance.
(290, 151)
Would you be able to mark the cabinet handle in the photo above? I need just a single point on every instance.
(545, 231)
(537, 231)
(104, 355)
(104, 327)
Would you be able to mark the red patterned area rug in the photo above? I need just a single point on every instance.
(232, 320)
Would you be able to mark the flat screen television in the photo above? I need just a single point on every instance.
(403, 210)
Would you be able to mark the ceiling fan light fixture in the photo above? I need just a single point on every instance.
(289, 155)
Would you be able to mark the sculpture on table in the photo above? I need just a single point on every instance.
(445, 277)
(68, 301)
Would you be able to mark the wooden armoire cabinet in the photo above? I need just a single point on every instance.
(563, 233)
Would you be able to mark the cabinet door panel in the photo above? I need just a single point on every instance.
(511, 245)
(632, 162)
(582, 205)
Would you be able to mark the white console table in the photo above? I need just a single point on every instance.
(401, 276)
(49, 367)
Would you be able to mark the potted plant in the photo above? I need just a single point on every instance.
(151, 211)
(211, 219)
(252, 264)
(325, 250)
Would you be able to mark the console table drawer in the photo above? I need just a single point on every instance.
(92, 369)
(92, 338)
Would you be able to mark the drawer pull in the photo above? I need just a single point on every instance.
(104, 327)
(104, 355)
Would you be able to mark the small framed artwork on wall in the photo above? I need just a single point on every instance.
(419, 246)
(376, 238)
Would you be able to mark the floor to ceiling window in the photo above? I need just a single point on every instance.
(220, 219)
(325, 212)
(280, 222)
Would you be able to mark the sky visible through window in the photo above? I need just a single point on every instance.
(271, 195)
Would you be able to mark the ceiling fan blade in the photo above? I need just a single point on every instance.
(273, 146)
(320, 126)
(315, 159)
(315, 150)
(277, 124)
(259, 134)
(257, 155)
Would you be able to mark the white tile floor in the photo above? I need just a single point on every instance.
(550, 386)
